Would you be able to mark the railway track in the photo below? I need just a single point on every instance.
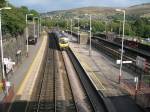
(52, 90)
(113, 52)
(97, 100)
(63, 86)
(129, 52)
(43, 97)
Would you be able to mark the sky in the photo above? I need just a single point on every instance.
(52, 5)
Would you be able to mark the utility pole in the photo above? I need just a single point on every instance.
(2, 52)
(124, 13)
(27, 35)
(90, 35)
(71, 29)
(78, 32)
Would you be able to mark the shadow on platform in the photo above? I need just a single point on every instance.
(47, 106)
(125, 103)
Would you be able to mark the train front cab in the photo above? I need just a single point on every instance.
(63, 43)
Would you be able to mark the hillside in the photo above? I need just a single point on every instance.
(139, 10)
(81, 11)
(93, 10)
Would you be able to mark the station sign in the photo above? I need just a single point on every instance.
(136, 79)
(141, 62)
(125, 62)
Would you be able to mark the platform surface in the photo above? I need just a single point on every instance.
(104, 74)
(20, 70)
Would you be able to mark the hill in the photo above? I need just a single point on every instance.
(138, 10)
(81, 11)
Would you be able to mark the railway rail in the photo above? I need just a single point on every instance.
(43, 97)
(50, 94)
(52, 91)
(98, 101)
(63, 86)
(130, 52)
(113, 51)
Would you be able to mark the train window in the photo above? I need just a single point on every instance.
(63, 41)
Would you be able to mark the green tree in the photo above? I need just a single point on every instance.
(2, 3)
(97, 26)
(13, 21)
(142, 27)
(146, 31)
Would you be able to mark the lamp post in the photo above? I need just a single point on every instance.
(119, 27)
(71, 29)
(90, 50)
(105, 27)
(67, 23)
(35, 36)
(78, 30)
(90, 35)
(40, 25)
(2, 53)
(124, 13)
(27, 35)
(58, 21)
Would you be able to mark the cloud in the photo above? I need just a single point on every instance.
(33, 2)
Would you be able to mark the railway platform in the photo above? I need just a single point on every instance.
(104, 73)
(24, 76)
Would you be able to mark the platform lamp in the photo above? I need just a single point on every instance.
(27, 35)
(90, 50)
(71, 28)
(40, 25)
(34, 27)
(105, 27)
(78, 29)
(124, 13)
(2, 53)
(34, 23)
(90, 33)
(119, 27)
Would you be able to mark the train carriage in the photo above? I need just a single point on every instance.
(62, 40)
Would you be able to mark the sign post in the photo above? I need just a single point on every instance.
(141, 63)
(122, 62)
(136, 80)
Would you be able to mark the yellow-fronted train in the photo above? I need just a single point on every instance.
(62, 39)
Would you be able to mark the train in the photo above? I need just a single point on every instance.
(112, 37)
(62, 39)
(129, 43)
